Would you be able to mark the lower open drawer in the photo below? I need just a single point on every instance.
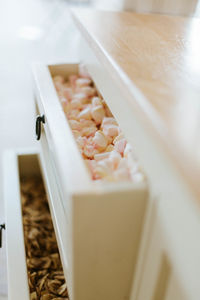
(28, 222)
(98, 239)
(98, 235)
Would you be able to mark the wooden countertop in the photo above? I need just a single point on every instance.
(157, 60)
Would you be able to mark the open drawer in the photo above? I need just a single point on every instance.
(28, 223)
(103, 220)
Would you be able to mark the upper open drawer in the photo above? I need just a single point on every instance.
(66, 155)
(104, 218)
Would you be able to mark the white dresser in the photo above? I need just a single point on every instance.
(125, 241)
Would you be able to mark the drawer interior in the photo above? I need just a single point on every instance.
(29, 166)
(65, 70)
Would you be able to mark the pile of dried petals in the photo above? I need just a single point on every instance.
(45, 274)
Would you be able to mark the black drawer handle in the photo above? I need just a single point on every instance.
(2, 227)
(39, 120)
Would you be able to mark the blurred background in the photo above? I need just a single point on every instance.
(42, 30)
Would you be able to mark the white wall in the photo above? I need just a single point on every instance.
(175, 7)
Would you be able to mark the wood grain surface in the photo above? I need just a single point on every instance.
(155, 60)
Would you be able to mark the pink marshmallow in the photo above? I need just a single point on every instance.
(100, 140)
(72, 80)
(120, 146)
(98, 114)
(85, 114)
(82, 82)
(83, 72)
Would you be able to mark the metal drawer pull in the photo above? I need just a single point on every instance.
(39, 120)
(2, 226)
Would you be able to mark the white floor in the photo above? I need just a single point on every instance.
(31, 30)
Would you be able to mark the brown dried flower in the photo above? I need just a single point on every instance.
(45, 274)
